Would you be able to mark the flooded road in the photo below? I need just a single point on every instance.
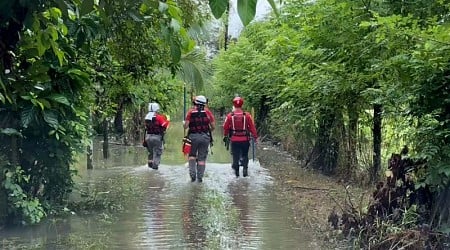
(162, 209)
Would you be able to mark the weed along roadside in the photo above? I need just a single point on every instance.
(311, 196)
(342, 214)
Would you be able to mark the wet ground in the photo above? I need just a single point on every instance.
(311, 196)
(277, 207)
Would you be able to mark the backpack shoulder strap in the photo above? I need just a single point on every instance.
(244, 114)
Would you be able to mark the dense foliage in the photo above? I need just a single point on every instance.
(343, 84)
(70, 66)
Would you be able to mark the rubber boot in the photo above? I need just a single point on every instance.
(200, 172)
(236, 171)
(245, 172)
(193, 169)
(150, 160)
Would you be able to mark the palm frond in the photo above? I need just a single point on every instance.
(195, 70)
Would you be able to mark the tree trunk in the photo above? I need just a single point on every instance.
(225, 46)
(105, 139)
(377, 120)
(263, 113)
(118, 118)
(3, 194)
(89, 162)
(9, 159)
(137, 118)
(441, 209)
(326, 149)
(352, 159)
(89, 149)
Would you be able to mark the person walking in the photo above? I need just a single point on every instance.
(155, 127)
(200, 122)
(239, 128)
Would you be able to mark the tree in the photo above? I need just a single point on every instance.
(55, 55)
(343, 76)
(246, 9)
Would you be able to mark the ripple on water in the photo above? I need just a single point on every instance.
(223, 212)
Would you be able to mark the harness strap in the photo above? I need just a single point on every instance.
(244, 129)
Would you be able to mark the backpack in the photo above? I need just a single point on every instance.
(152, 126)
(239, 124)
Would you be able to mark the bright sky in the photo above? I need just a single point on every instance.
(235, 24)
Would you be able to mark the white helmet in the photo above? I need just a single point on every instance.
(200, 100)
(153, 107)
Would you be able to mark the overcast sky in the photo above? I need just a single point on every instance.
(235, 24)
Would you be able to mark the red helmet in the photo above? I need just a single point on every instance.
(238, 102)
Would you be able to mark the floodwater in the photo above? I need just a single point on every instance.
(162, 209)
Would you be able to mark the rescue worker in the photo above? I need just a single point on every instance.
(155, 128)
(239, 128)
(200, 122)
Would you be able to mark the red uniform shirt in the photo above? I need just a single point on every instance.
(238, 133)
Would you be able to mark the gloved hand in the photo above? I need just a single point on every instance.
(226, 141)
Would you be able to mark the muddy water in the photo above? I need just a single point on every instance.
(170, 212)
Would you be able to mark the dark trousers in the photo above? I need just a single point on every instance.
(240, 150)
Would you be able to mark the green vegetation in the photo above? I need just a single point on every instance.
(341, 84)
(68, 68)
(108, 196)
(344, 84)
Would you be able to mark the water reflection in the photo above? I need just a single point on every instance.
(169, 211)
(240, 196)
(153, 231)
(194, 233)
